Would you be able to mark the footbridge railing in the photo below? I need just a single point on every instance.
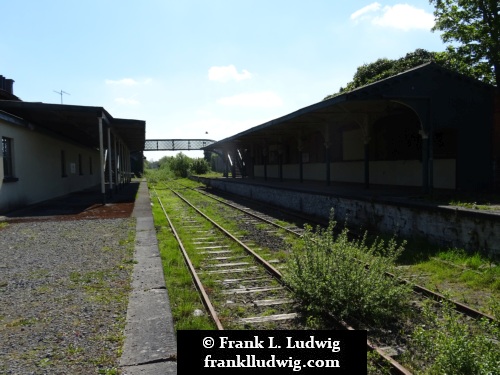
(176, 144)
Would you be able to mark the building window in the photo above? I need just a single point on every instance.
(63, 164)
(7, 157)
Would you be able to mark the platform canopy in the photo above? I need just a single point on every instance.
(413, 89)
(77, 123)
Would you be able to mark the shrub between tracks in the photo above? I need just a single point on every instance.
(448, 345)
(331, 274)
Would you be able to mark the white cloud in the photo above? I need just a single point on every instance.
(261, 99)
(227, 73)
(127, 101)
(127, 82)
(400, 16)
(361, 13)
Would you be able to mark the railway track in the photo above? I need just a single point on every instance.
(240, 288)
(386, 352)
(421, 290)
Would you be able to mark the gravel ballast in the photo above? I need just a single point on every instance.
(64, 288)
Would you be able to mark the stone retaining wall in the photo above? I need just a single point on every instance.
(445, 226)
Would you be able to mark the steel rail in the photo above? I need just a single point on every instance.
(271, 273)
(249, 213)
(396, 367)
(262, 261)
(204, 296)
(464, 309)
(460, 307)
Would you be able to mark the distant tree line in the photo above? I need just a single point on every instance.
(180, 165)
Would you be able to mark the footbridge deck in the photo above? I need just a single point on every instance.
(176, 144)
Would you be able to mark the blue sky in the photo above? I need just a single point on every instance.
(201, 69)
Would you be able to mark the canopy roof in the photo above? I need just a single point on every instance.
(76, 123)
(390, 95)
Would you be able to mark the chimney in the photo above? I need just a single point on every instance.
(9, 86)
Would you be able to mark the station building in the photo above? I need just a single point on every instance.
(428, 127)
(50, 150)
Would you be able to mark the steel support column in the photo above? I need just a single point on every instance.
(115, 157)
(101, 164)
(110, 169)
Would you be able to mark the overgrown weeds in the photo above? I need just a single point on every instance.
(155, 176)
(333, 275)
(445, 344)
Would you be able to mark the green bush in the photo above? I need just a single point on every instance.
(448, 345)
(200, 166)
(334, 275)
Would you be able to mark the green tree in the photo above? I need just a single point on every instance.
(180, 164)
(384, 68)
(475, 26)
(164, 162)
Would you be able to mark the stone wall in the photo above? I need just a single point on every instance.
(472, 230)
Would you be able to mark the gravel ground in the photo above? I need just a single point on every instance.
(64, 289)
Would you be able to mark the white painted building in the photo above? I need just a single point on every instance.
(50, 150)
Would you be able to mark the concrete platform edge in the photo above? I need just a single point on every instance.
(150, 342)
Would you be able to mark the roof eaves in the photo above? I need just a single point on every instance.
(303, 111)
(9, 117)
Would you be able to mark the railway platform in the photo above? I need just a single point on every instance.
(150, 345)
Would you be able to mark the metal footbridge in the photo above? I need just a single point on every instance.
(176, 144)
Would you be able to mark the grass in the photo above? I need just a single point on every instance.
(212, 175)
(468, 200)
(21, 322)
(471, 205)
(448, 345)
(470, 277)
(184, 298)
